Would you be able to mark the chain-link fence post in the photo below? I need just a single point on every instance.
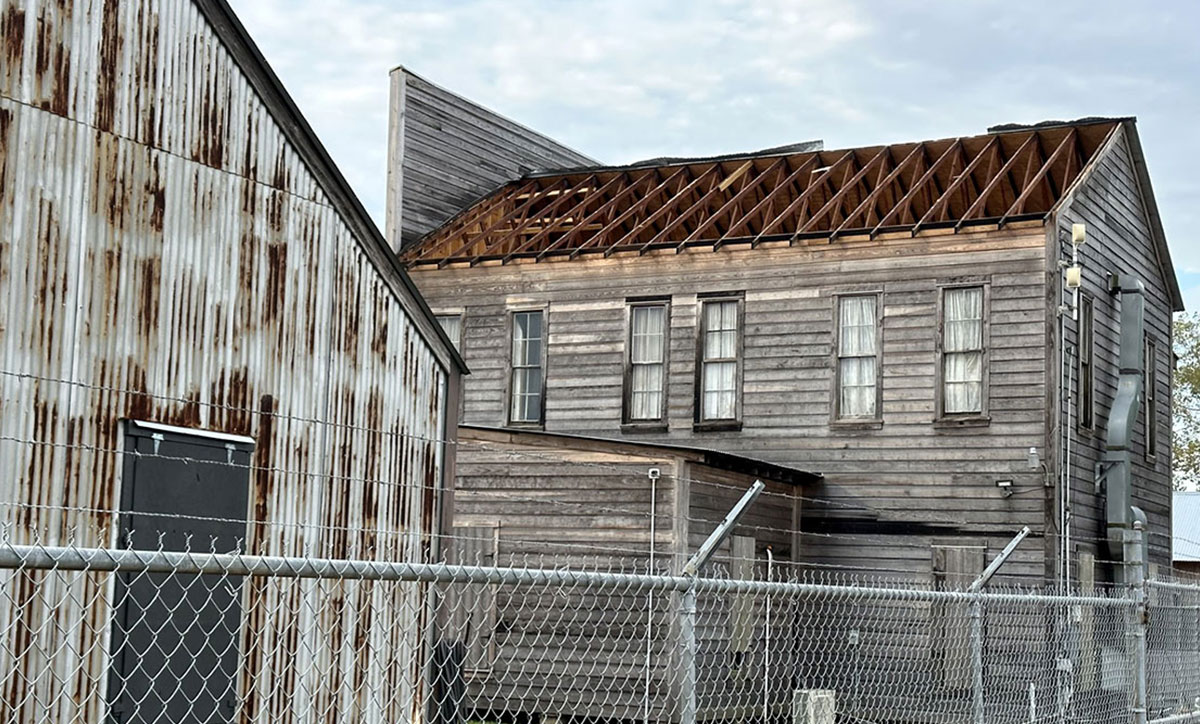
(687, 667)
(1141, 621)
(976, 660)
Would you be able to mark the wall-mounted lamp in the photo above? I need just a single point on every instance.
(1078, 234)
(1032, 459)
(1074, 276)
(1005, 487)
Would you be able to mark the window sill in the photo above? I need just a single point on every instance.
(717, 426)
(852, 424)
(643, 428)
(526, 425)
(955, 422)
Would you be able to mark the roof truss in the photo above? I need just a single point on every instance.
(995, 178)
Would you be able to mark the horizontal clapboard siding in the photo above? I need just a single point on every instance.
(909, 470)
(448, 151)
(1119, 241)
(527, 499)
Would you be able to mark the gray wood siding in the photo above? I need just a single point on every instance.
(447, 151)
(907, 471)
(554, 502)
(1119, 241)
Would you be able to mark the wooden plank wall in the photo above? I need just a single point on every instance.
(907, 471)
(1119, 241)
(576, 652)
(446, 151)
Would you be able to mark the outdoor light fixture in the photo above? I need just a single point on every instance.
(1032, 459)
(1078, 234)
(1005, 487)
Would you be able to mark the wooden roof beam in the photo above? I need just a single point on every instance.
(980, 205)
(457, 229)
(879, 188)
(944, 201)
(511, 234)
(916, 187)
(804, 197)
(841, 193)
(662, 211)
(571, 213)
(619, 219)
(514, 213)
(716, 190)
(1019, 205)
(605, 208)
(751, 185)
(766, 205)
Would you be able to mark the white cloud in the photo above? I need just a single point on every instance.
(643, 61)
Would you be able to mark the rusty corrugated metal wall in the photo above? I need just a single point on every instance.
(165, 255)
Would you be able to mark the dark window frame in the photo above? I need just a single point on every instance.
(628, 422)
(699, 423)
(983, 415)
(1150, 398)
(1085, 410)
(837, 419)
(510, 328)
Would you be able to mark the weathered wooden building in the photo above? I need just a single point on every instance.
(445, 152)
(187, 279)
(549, 500)
(896, 317)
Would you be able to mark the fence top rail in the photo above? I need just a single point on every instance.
(72, 558)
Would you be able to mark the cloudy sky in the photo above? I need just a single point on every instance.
(622, 80)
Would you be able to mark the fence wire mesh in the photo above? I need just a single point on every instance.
(124, 635)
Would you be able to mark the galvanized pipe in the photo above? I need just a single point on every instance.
(101, 559)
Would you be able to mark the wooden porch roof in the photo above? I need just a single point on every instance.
(1012, 174)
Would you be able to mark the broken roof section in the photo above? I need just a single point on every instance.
(1016, 173)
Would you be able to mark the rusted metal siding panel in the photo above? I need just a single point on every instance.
(149, 272)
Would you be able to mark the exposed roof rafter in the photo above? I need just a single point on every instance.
(1013, 174)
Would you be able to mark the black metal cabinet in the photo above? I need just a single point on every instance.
(176, 637)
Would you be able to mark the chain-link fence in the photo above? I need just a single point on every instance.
(122, 635)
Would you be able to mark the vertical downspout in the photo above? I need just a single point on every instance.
(1116, 465)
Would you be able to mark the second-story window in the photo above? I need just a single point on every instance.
(645, 380)
(858, 360)
(720, 360)
(962, 351)
(528, 349)
(452, 326)
(1087, 385)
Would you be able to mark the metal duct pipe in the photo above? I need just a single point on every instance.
(1116, 465)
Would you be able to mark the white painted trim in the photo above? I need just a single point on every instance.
(208, 434)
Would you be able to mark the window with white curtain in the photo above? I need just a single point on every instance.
(857, 357)
(720, 348)
(452, 326)
(962, 350)
(646, 373)
(525, 404)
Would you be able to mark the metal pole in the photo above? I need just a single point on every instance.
(687, 612)
(1140, 624)
(976, 607)
(687, 636)
(976, 613)
(653, 474)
